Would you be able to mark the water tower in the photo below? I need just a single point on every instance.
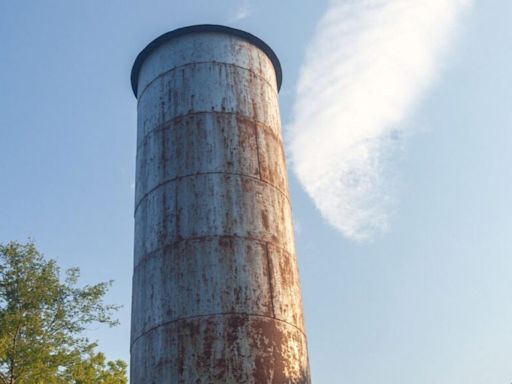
(216, 291)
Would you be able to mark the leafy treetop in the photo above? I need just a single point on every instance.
(42, 320)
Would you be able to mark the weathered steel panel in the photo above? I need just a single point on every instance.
(197, 143)
(209, 48)
(155, 221)
(216, 275)
(216, 290)
(217, 204)
(222, 349)
(227, 144)
(156, 162)
(286, 293)
(272, 158)
(202, 276)
(175, 94)
(212, 204)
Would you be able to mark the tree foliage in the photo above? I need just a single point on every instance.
(42, 320)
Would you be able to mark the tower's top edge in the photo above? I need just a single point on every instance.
(204, 28)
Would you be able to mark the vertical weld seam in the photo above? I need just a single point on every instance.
(255, 128)
(166, 199)
(161, 99)
(270, 284)
(176, 212)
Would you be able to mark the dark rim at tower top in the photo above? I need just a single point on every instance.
(143, 55)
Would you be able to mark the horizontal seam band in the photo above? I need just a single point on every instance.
(174, 243)
(212, 315)
(169, 124)
(137, 205)
(161, 75)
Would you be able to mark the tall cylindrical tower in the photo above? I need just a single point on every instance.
(216, 292)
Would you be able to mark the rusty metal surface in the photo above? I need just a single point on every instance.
(229, 348)
(210, 47)
(229, 143)
(218, 274)
(216, 290)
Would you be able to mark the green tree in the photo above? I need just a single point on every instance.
(42, 320)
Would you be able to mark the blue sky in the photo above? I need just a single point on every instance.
(427, 298)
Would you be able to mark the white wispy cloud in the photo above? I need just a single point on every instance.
(367, 66)
(242, 13)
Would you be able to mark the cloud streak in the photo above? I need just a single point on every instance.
(368, 64)
(242, 13)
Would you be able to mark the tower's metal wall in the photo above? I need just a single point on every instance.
(216, 292)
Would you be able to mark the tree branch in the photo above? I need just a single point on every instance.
(3, 378)
(13, 358)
